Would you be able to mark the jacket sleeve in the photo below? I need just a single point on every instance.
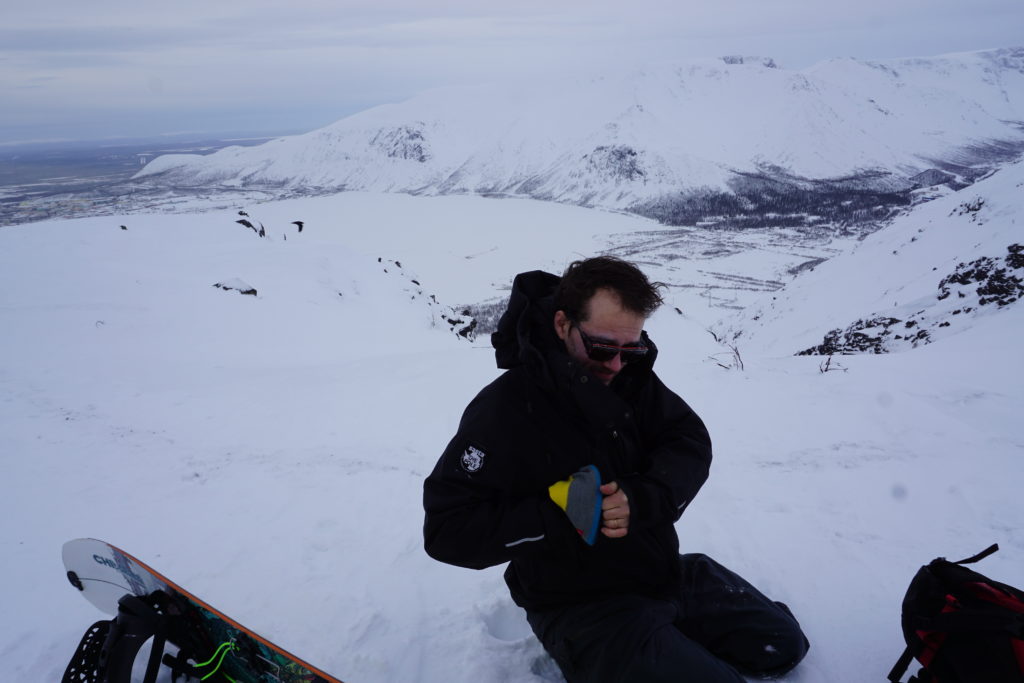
(481, 508)
(678, 449)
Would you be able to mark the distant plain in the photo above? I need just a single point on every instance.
(63, 179)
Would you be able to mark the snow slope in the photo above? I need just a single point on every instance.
(932, 273)
(268, 451)
(638, 139)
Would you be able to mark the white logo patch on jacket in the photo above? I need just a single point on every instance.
(473, 459)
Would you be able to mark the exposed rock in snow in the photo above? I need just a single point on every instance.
(982, 282)
(237, 285)
(931, 177)
(403, 142)
(459, 321)
(766, 62)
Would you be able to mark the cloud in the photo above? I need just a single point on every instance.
(131, 58)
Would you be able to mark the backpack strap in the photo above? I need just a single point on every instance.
(923, 675)
(980, 556)
(901, 666)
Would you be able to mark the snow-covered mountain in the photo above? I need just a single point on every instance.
(842, 140)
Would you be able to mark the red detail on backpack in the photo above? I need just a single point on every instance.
(992, 594)
(931, 641)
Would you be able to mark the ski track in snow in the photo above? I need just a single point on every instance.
(268, 452)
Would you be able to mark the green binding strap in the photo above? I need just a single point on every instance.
(215, 654)
(218, 655)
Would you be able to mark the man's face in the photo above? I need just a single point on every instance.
(606, 322)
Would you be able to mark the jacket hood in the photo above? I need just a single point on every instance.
(520, 336)
(526, 334)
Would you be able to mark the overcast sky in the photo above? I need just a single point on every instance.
(80, 70)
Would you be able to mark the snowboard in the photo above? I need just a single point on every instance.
(146, 606)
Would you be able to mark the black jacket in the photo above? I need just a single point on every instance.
(545, 418)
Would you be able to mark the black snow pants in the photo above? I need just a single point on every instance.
(711, 629)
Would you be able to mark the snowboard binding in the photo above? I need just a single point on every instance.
(108, 650)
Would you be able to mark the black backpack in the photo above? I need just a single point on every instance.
(961, 626)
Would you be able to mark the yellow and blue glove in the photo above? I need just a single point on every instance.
(580, 497)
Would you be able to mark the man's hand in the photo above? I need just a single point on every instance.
(614, 511)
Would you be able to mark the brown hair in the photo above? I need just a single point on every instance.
(583, 278)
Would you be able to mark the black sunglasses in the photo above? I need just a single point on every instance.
(602, 351)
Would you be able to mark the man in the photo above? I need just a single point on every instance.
(573, 466)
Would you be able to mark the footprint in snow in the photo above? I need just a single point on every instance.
(507, 622)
